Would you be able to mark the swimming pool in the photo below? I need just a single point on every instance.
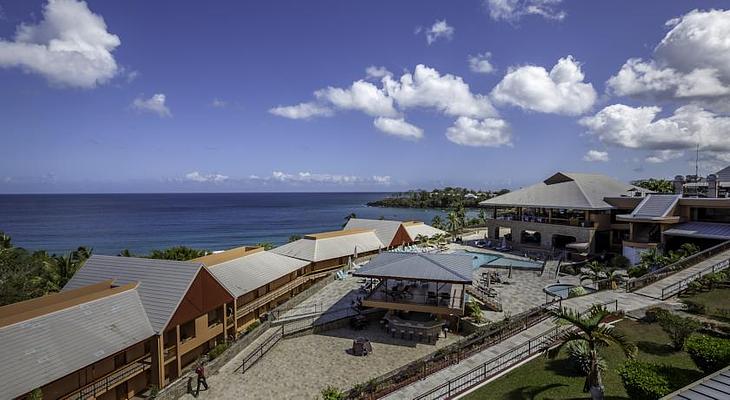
(497, 261)
(563, 289)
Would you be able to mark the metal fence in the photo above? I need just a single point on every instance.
(253, 357)
(678, 287)
(498, 364)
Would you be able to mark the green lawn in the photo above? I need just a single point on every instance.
(714, 301)
(556, 379)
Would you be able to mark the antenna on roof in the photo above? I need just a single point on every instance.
(697, 162)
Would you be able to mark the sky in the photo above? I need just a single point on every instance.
(170, 96)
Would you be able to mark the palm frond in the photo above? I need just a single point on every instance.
(565, 338)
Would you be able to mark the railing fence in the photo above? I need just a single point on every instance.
(678, 287)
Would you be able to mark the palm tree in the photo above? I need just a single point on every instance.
(595, 270)
(5, 241)
(437, 222)
(483, 217)
(592, 330)
(453, 224)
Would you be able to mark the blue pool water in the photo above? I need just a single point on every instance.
(494, 260)
(563, 289)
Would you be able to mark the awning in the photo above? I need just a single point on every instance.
(701, 230)
(582, 246)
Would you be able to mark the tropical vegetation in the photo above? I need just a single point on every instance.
(655, 185)
(448, 197)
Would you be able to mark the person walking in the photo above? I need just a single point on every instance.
(200, 371)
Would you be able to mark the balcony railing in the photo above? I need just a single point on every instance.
(111, 380)
(578, 223)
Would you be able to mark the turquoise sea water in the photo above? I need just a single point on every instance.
(141, 222)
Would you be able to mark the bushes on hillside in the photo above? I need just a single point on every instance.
(708, 352)
(645, 381)
(678, 328)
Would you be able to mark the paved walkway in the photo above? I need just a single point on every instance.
(655, 289)
(626, 302)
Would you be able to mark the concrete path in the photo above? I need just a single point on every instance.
(655, 289)
(626, 302)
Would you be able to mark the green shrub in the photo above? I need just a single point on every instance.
(36, 394)
(695, 307)
(252, 326)
(154, 392)
(218, 350)
(577, 291)
(678, 328)
(332, 393)
(474, 311)
(644, 381)
(651, 315)
(708, 352)
(619, 262)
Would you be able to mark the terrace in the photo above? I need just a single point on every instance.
(412, 295)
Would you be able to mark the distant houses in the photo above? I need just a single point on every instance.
(123, 324)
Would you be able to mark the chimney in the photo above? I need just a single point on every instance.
(678, 184)
(712, 186)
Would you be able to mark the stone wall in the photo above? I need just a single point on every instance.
(547, 231)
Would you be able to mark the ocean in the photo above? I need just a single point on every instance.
(109, 223)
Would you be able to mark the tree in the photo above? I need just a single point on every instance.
(453, 223)
(483, 217)
(593, 272)
(655, 185)
(177, 253)
(265, 245)
(437, 222)
(294, 238)
(677, 328)
(592, 330)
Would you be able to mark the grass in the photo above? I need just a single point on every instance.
(547, 379)
(714, 300)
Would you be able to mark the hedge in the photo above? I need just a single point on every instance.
(644, 381)
(708, 352)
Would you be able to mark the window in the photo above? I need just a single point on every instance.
(187, 331)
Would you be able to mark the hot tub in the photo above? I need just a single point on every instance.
(563, 289)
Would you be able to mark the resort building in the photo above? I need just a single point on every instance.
(330, 250)
(395, 233)
(715, 185)
(258, 280)
(566, 210)
(91, 342)
(183, 302)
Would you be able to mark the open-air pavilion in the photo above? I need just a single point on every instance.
(428, 283)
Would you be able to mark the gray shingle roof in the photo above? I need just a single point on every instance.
(656, 206)
(42, 349)
(713, 387)
(705, 230)
(567, 190)
(384, 229)
(311, 249)
(723, 175)
(419, 266)
(162, 283)
(244, 274)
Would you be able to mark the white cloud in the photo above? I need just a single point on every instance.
(642, 128)
(376, 73)
(218, 103)
(691, 62)
(302, 111)
(664, 156)
(70, 46)
(480, 63)
(513, 10)
(398, 127)
(427, 88)
(308, 178)
(560, 91)
(362, 96)
(439, 30)
(155, 104)
(489, 132)
(196, 176)
(595, 155)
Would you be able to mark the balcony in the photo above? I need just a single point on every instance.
(170, 353)
(111, 380)
(575, 222)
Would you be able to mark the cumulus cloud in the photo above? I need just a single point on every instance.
(664, 156)
(70, 46)
(376, 73)
(480, 63)
(560, 91)
(308, 177)
(691, 62)
(155, 104)
(513, 10)
(643, 128)
(427, 88)
(362, 96)
(489, 132)
(196, 176)
(595, 155)
(439, 30)
(302, 111)
(398, 127)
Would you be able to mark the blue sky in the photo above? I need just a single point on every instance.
(142, 96)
